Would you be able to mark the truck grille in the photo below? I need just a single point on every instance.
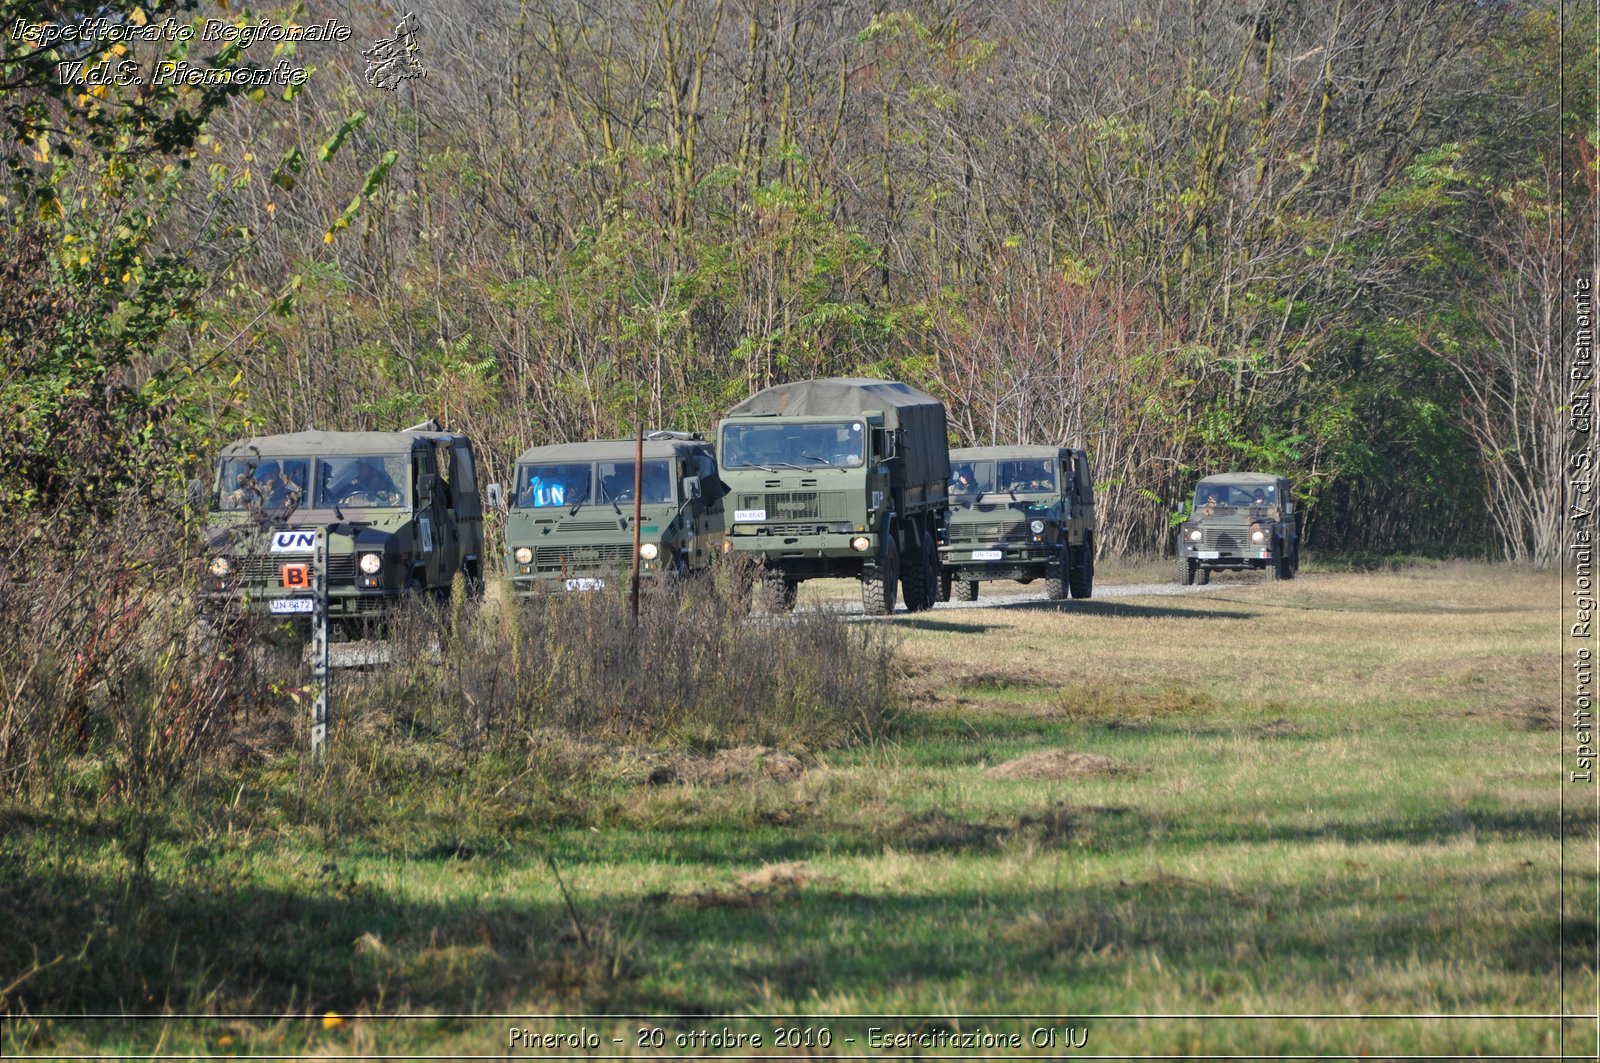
(268, 570)
(608, 555)
(1004, 531)
(1234, 539)
(799, 505)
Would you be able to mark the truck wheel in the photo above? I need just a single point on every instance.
(1186, 570)
(1080, 578)
(946, 578)
(878, 590)
(966, 590)
(1282, 565)
(778, 592)
(1055, 577)
(920, 578)
(1202, 575)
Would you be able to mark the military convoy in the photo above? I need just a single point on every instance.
(569, 521)
(399, 510)
(843, 477)
(1019, 513)
(839, 477)
(1239, 521)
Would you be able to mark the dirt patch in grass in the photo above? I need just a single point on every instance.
(1057, 764)
(755, 889)
(936, 831)
(1107, 705)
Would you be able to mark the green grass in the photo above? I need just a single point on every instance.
(1334, 796)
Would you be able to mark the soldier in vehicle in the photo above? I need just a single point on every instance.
(368, 485)
(963, 481)
(1259, 498)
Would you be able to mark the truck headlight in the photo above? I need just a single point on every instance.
(370, 563)
(861, 544)
(1258, 536)
(1037, 527)
(1196, 535)
(219, 566)
(523, 555)
(648, 551)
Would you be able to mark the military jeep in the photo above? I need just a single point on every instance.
(1019, 513)
(400, 511)
(1239, 521)
(570, 513)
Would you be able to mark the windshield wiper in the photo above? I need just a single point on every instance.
(823, 461)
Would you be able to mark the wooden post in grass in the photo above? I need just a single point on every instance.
(319, 645)
(638, 484)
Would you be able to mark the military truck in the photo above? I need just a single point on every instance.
(570, 519)
(842, 477)
(400, 509)
(1239, 521)
(1019, 513)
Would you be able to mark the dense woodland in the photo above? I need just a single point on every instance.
(1325, 237)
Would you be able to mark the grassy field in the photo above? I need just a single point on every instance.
(1332, 797)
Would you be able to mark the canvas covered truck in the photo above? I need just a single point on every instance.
(569, 521)
(843, 477)
(1239, 521)
(1021, 513)
(400, 512)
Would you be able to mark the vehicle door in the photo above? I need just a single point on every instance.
(468, 504)
(433, 542)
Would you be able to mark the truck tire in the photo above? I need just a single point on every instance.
(919, 576)
(946, 578)
(778, 592)
(1186, 570)
(1080, 577)
(878, 591)
(1282, 568)
(1202, 575)
(1055, 576)
(966, 590)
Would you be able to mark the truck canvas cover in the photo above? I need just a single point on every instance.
(924, 449)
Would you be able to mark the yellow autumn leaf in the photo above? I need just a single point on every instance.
(327, 237)
(137, 16)
(331, 1020)
(119, 49)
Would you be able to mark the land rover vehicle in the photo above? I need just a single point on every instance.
(1019, 513)
(839, 477)
(570, 519)
(400, 510)
(1239, 521)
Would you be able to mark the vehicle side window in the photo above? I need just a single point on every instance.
(462, 474)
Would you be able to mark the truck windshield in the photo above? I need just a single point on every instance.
(567, 484)
(269, 483)
(616, 482)
(382, 482)
(1011, 476)
(1214, 494)
(804, 445)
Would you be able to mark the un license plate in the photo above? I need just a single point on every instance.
(988, 555)
(1208, 555)
(744, 516)
(586, 584)
(292, 605)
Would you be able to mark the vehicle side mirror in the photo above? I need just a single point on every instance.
(195, 494)
(691, 488)
(496, 498)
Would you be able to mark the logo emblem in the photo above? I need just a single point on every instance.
(293, 542)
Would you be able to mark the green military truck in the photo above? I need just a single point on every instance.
(400, 510)
(570, 519)
(1239, 521)
(842, 477)
(1019, 513)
